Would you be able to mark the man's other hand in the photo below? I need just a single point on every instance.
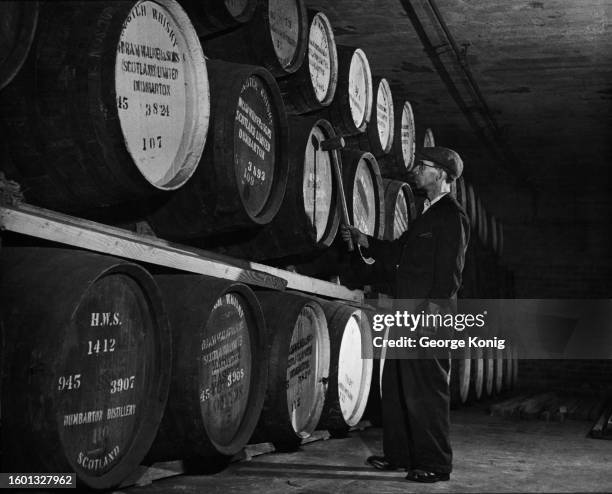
(351, 233)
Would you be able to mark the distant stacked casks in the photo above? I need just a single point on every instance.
(351, 365)
(309, 217)
(379, 133)
(314, 84)
(400, 160)
(86, 381)
(351, 109)
(276, 37)
(241, 179)
(112, 105)
(219, 369)
(18, 21)
(298, 369)
(216, 16)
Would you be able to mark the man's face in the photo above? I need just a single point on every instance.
(425, 174)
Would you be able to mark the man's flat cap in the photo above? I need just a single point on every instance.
(445, 158)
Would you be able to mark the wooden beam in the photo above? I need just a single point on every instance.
(57, 227)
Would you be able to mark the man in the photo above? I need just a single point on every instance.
(426, 263)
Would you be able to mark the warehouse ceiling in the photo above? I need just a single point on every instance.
(544, 69)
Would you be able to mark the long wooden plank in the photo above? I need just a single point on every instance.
(77, 232)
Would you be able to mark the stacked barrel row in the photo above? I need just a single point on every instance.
(485, 372)
(112, 112)
(111, 365)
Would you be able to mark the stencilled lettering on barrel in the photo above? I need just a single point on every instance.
(105, 319)
(152, 84)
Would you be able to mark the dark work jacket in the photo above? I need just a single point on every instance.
(426, 262)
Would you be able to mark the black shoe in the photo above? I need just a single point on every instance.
(426, 477)
(381, 463)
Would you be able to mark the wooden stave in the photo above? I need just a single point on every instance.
(461, 193)
(13, 60)
(515, 365)
(499, 371)
(460, 378)
(508, 366)
(85, 269)
(471, 206)
(392, 189)
(93, 170)
(477, 376)
(338, 315)
(489, 372)
(275, 423)
(290, 233)
(428, 138)
(350, 161)
(500, 238)
(493, 233)
(183, 431)
(297, 90)
(209, 205)
(252, 43)
(215, 17)
(338, 112)
(482, 216)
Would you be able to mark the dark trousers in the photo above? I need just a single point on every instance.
(415, 414)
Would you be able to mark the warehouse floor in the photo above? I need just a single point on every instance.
(492, 454)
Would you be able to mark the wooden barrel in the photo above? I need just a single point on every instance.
(379, 134)
(309, 217)
(242, 176)
(471, 206)
(215, 16)
(400, 209)
(461, 369)
(351, 108)
(298, 370)
(313, 86)
(218, 371)
(350, 374)
(276, 38)
(400, 160)
(112, 106)
(88, 375)
(477, 375)
(18, 21)
(364, 192)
